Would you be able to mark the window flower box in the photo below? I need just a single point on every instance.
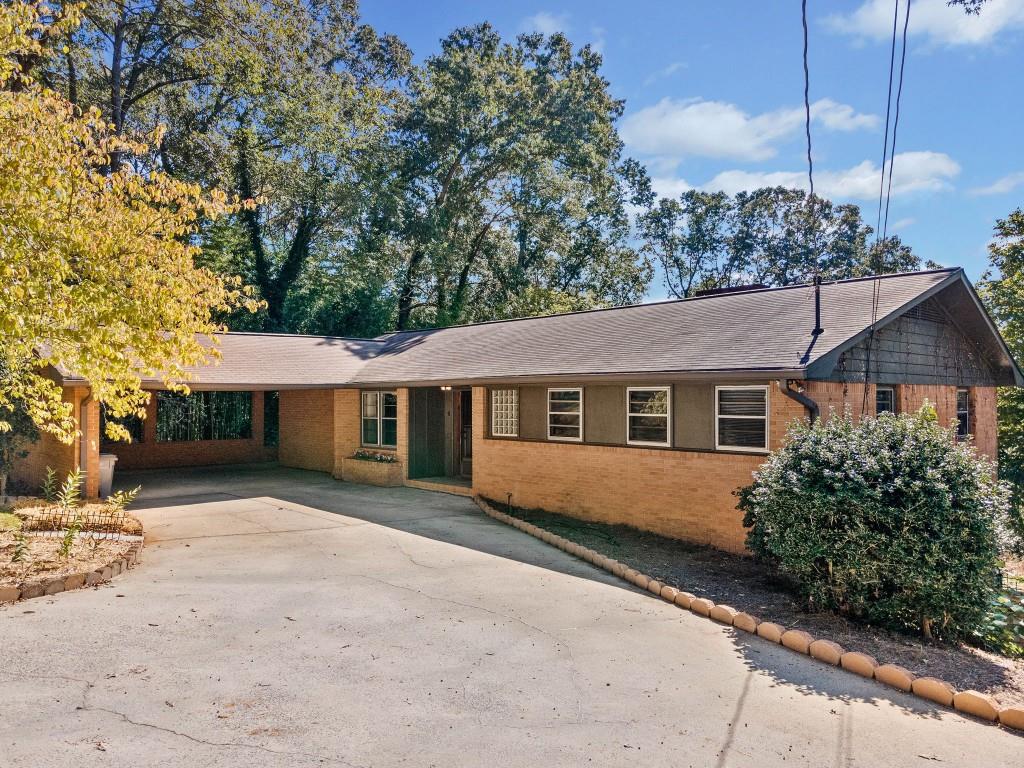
(369, 472)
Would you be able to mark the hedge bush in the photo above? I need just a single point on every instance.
(889, 519)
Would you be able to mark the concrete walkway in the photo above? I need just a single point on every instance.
(281, 618)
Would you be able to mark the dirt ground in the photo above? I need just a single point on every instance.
(43, 561)
(749, 586)
(42, 558)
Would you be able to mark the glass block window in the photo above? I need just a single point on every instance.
(741, 418)
(505, 412)
(885, 400)
(565, 414)
(963, 413)
(647, 416)
(380, 419)
(203, 416)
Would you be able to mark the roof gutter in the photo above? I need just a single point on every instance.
(795, 394)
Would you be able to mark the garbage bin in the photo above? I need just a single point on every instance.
(107, 462)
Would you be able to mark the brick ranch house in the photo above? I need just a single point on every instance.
(650, 415)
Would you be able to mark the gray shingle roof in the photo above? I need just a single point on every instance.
(766, 332)
(281, 361)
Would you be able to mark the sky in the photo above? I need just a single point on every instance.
(714, 99)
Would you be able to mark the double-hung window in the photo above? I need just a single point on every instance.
(380, 419)
(741, 418)
(505, 412)
(648, 416)
(963, 413)
(885, 400)
(565, 414)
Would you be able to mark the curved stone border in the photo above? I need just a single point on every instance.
(937, 691)
(47, 587)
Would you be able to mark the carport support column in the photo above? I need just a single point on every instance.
(89, 443)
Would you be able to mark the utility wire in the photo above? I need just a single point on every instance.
(807, 105)
(896, 121)
(810, 160)
(888, 104)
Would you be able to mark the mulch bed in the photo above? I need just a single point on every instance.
(43, 561)
(752, 587)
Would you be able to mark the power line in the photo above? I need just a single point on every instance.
(888, 104)
(807, 105)
(896, 121)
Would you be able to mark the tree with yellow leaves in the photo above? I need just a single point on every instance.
(97, 269)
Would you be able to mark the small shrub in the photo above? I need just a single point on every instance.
(890, 520)
(70, 492)
(1002, 629)
(49, 489)
(20, 546)
(120, 500)
(67, 541)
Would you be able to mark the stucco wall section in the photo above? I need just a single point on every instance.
(306, 429)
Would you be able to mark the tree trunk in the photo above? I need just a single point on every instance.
(408, 291)
(116, 97)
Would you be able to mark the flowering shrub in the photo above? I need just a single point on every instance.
(890, 520)
(382, 458)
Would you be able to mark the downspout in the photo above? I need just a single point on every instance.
(794, 394)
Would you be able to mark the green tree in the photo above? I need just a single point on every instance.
(771, 236)
(1002, 288)
(98, 264)
(281, 101)
(509, 184)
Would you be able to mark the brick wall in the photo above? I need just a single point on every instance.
(346, 426)
(28, 473)
(306, 429)
(684, 494)
(152, 454)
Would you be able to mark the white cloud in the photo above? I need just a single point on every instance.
(600, 39)
(667, 186)
(912, 172)
(932, 19)
(902, 224)
(1001, 186)
(664, 72)
(546, 23)
(678, 129)
(841, 117)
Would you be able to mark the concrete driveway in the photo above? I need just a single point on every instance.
(281, 618)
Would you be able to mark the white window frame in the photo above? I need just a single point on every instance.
(967, 413)
(515, 416)
(767, 420)
(379, 396)
(887, 388)
(550, 413)
(667, 416)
